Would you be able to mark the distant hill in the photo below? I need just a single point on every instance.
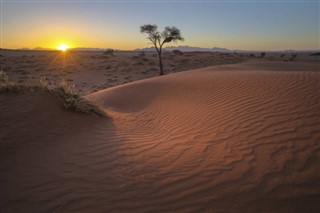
(71, 49)
(187, 49)
(181, 48)
(315, 54)
(36, 48)
(92, 49)
(87, 49)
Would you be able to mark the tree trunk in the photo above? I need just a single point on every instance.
(160, 63)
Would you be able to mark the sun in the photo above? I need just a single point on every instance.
(63, 47)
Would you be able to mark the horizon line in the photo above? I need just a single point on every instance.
(150, 47)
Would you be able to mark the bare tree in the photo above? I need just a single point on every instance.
(158, 39)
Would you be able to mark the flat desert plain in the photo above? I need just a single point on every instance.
(234, 133)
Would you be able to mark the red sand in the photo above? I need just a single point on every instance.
(235, 138)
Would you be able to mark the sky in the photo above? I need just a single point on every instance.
(245, 25)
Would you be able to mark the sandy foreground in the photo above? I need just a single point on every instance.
(230, 138)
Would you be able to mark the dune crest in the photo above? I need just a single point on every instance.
(236, 138)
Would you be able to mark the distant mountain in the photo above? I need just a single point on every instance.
(218, 49)
(36, 48)
(186, 49)
(315, 54)
(72, 49)
(42, 48)
(91, 49)
(87, 49)
(181, 48)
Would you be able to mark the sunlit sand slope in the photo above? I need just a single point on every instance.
(235, 138)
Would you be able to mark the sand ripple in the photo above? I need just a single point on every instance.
(211, 140)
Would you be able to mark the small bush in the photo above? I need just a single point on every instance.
(108, 52)
(142, 54)
(177, 52)
(44, 83)
(5, 84)
(3, 76)
(293, 57)
(72, 101)
(262, 55)
(9, 86)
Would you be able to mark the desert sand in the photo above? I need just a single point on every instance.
(91, 71)
(228, 138)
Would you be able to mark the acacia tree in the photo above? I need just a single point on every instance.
(158, 39)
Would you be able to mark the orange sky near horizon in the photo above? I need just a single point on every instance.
(246, 26)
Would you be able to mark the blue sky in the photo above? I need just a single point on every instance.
(256, 25)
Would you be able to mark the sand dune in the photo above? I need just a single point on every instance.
(232, 138)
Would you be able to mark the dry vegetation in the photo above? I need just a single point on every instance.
(6, 85)
(64, 92)
(92, 71)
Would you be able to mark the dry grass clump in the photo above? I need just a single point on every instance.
(64, 92)
(72, 101)
(6, 85)
(43, 85)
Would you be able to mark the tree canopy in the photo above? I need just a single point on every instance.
(170, 34)
(158, 39)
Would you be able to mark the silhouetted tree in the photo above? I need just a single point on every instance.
(158, 39)
(262, 55)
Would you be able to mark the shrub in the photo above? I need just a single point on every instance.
(108, 52)
(72, 101)
(177, 52)
(293, 57)
(44, 83)
(5, 84)
(262, 55)
(3, 76)
(142, 54)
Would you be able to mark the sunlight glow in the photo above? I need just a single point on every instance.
(63, 47)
